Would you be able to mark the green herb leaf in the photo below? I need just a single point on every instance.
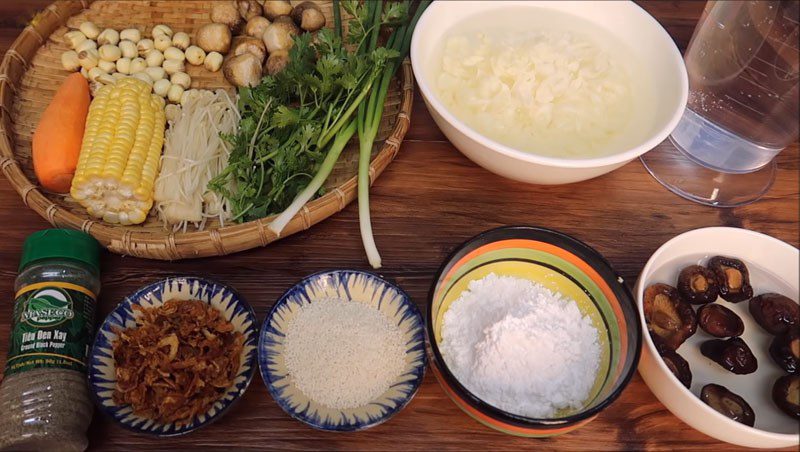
(303, 116)
(394, 13)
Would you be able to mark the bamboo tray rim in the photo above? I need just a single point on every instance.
(153, 244)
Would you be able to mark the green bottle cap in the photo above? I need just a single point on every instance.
(63, 244)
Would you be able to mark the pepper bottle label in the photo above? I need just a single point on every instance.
(52, 327)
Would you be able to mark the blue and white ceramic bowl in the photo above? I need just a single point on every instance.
(101, 372)
(360, 287)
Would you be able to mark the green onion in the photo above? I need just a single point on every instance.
(337, 20)
(313, 187)
(363, 111)
(369, 121)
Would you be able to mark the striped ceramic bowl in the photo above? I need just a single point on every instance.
(101, 372)
(360, 287)
(562, 264)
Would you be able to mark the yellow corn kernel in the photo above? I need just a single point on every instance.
(96, 110)
(120, 153)
(150, 168)
(132, 174)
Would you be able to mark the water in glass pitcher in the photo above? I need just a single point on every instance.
(743, 85)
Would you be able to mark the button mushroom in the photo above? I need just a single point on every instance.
(719, 321)
(226, 13)
(249, 9)
(667, 316)
(279, 35)
(213, 38)
(308, 16)
(727, 403)
(733, 355)
(698, 285)
(276, 62)
(733, 278)
(775, 312)
(247, 44)
(256, 26)
(276, 8)
(243, 70)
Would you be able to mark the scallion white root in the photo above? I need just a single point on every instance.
(339, 143)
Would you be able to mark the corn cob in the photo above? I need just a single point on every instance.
(120, 153)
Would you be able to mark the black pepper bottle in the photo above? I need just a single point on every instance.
(44, 399)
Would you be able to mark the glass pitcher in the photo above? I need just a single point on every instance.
(743, 104)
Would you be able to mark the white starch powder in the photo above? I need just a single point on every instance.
(343, 354)
(521, 347)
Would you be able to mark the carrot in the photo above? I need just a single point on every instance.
(57, 139)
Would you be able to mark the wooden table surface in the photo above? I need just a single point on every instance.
(427, 202)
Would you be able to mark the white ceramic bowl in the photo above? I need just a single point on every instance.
(625, 21)
(774, 267)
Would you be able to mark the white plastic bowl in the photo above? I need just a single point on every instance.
(770, 262)
(626, 21)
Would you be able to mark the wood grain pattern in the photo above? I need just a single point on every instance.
(430, 200)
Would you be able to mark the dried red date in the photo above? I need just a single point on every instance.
(732, 354)
(719, 321)
(727, 403)
(775, 312)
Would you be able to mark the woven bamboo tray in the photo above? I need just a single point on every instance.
(31, 72)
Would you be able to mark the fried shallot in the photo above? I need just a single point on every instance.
(179, 359)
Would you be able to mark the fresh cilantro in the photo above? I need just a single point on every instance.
(290, 118)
